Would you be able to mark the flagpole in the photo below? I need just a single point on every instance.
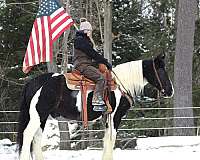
(76, 27)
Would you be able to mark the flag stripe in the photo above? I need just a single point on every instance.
(50, 40)
(56, 12)
(43, 40)
(35, 44)
(32, 48)
(58, 18)
(29, 53)
(65, 20)
(46, 28)
(26, 62)
(37, 41)
(61, 29)
(40, 39)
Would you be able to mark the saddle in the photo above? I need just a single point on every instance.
(75, 80)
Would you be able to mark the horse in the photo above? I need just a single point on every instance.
(48, 94)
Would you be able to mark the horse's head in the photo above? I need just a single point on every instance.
(155, 73)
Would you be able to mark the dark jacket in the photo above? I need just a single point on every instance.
(84, 54)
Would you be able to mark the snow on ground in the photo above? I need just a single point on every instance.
(154, 148)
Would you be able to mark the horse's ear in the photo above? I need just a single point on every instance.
(161, 56)
(160, 60)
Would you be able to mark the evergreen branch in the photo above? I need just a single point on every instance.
(197, 51)
(20, 3)
(12, 81)
(25, 10)
(196, 90)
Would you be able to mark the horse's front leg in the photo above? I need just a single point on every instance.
(31, 129)
(28, 135)
(109, 141)
(37, 148)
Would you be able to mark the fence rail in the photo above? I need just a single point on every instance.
(127, 119)
(120, 129)
(135, 109)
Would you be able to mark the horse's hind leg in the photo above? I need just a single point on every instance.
(37, 148)
(31, 129)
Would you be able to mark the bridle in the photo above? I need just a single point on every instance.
(127, 95)
(158, 78)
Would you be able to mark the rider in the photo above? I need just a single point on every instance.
(84, 56)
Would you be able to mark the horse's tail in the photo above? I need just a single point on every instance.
(23, 118)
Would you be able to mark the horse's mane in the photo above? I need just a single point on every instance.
(130, 74)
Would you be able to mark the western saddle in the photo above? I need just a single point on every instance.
(76, 81)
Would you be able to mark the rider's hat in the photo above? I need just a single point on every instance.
(85, 25)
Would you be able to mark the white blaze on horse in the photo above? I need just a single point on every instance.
(48, 94)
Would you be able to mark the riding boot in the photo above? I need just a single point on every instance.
(95, 75)
(98, 96)
(97, 100)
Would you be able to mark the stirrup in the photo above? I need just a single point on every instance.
(99, 108)
(98, 101)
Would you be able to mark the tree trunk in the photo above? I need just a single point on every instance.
(197, 10)
(108, 30)
(63, 126)
(64, 62)
(91, 12)
(82, 4)
(64, 136)
(183, 66)
(51, 67)
(86, 9)
(141, 5)
(99, 19)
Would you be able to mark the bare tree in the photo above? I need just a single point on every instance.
(99, 19)
(183, 66)
(64, 42)
(108, 30)
(63, 126)
(52, 67)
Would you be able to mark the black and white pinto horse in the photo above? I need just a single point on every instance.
(48, 94)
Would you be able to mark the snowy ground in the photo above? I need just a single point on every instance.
(156, 148)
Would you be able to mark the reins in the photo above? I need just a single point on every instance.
(158, 78)
(120, 81)
(126, 91)
(129, 98)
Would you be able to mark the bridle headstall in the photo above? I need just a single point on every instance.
(158, 78)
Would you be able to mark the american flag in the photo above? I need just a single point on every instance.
(50, 23)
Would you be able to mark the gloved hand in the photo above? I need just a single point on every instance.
(109, 66)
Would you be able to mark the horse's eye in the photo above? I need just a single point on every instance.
(162, 91)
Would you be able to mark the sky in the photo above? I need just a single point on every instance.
(152, 148)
